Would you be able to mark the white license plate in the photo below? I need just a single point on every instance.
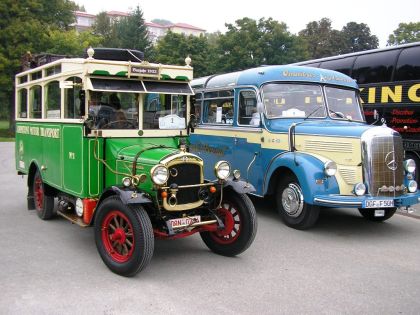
(174, 223)
(379, 204)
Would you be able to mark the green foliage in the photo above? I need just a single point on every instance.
(278, 44)
(5, 133)
(249, 43)
(404, 34)
(321, 39)
(324, 41)
(36, 26)
(126, 32)
(238, 47)
(103, 28)
(174, 48)
(71, 42)
(357, 37)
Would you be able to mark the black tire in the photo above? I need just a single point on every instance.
(369, 214)
(124, 236)
(292, 207)
(44, 204)
(238, 214)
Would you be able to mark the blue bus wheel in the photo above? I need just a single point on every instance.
(292, 207)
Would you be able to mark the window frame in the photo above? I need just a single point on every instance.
(232, 98)
(238, 106)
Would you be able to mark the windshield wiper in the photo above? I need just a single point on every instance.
(339, 114)
(313, 112)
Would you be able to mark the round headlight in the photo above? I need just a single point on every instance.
(410, 166)
(412, 186)
(79, 207)
(159, 174)
(126, 181)
(222, 169)
(359, 189)
(330, 168)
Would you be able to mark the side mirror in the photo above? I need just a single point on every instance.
(192, 124)
(89, 125)
(82, 98)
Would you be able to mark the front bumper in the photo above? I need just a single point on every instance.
(339, 201)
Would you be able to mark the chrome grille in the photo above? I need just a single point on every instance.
(383, 160)
(185, 174)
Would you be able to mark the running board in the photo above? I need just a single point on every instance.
(73, 218)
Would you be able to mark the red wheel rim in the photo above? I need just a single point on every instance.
(117, 236)
(229, 214)
(38, 193)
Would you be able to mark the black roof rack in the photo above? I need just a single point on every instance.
(117, 54)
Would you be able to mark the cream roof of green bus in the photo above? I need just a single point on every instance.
(91, 65)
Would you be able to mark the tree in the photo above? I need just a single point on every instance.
(357, 37)
(405, 33)
(103, 27)
(174, 48)
(80, 8)
(131, 32)
(321, 39)
(251, 43)
(29, 25)
(71, 43)
(279, 45)
(238, 48)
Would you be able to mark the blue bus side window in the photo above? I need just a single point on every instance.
(248, 114)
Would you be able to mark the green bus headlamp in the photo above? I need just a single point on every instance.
(159, 174)
(222, 170)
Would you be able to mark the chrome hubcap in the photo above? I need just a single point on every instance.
(292, 200)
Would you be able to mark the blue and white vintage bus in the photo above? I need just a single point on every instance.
(300, 135)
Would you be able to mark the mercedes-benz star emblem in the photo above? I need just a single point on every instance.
(390, 161)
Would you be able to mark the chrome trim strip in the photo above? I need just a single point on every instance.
(345, 203)
(229, 128)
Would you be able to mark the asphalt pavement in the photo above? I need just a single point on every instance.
(344, 265)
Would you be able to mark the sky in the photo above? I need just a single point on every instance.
(382, 17)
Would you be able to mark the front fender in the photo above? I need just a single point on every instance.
(127, 196)
(308, 169)
(240, 186)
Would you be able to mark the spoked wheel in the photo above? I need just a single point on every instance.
(369, 214)
(292, 207)
(44, 204)
(240, 225)
(124, 236)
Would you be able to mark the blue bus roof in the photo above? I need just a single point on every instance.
(258, 76)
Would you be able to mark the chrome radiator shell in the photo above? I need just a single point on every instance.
(382, 157)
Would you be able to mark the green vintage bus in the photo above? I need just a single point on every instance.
(103, 141)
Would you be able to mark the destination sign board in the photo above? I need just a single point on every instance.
(148, 71)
